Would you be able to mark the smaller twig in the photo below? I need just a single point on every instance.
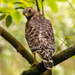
(59, 39)
(37, 6)
(42, 8)
(71, 5)
(61, 44)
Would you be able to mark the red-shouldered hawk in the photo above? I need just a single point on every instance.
(40, 36)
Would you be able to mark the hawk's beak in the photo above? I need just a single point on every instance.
(25, 14)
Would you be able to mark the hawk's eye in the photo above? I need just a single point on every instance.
(29, 11)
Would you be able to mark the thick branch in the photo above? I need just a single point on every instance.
(19, 47)
(36, 70)
(58, 58)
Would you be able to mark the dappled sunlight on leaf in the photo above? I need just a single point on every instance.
(6, 9)
(10, 5)
(53, 5)
(16, 16)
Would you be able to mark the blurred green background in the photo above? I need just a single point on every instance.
(62, 17)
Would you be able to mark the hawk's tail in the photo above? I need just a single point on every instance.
(48, 64)
(47, 59)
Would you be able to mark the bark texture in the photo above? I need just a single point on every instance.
(17, 45)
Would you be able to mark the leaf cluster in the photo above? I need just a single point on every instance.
(10, 9)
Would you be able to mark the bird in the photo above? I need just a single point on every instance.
(40, 36)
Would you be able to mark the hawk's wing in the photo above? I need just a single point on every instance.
(40, 37)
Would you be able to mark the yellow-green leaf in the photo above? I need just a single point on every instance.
(61, 0)
(53, 5)
(27, 3)
(6, 1)
(70, 37)
(73, 57)
(73, 0)
(6, 9)
(10, 5)
(16, 16)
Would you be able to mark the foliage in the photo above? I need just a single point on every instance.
(11, 6)
(8, 20)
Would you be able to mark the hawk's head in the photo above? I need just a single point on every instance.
(28, 12)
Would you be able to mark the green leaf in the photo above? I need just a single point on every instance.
(16, 16)
(1, 12)
(61, 0)
(8, 20)
(53, 5)
(19, 8)
(2, 16)
(17, 3)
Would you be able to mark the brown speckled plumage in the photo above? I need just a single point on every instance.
(40, 36)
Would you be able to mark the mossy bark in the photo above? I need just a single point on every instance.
(58, 58)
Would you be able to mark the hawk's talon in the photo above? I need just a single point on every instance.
(33, 64)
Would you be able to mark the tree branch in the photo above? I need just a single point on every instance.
(36, 70)
(58, 58)
(37, 5)
(71, 5)
(17, 45)
(42, 8)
